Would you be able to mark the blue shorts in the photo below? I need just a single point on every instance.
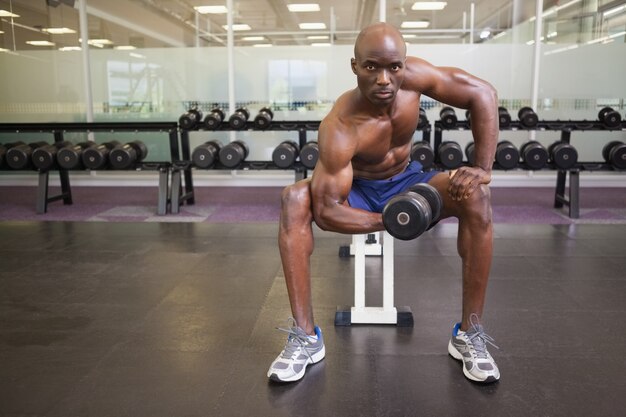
(372, 195)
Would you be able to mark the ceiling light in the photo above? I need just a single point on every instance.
(317, 37)
(485, 34)
(419, 24)
(69, 48)
(304, 7)
(253, 38)
(125, 47)
(1, 32)
(429, 5)
(320, 44)
(40, 43)
(6, 13)
(614, 10)
(309, 26)
(58, 31)
(4, 50)
(262, 45)
(135, 55)
(211, 9)
(238, 26)
(409, 36)
(100, 41)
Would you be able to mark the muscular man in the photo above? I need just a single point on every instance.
(365, 143)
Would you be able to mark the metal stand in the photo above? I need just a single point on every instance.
(362, 314)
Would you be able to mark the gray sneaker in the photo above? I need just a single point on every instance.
(300, 351)
(471, 348)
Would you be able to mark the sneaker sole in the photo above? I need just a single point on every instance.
(459, 357)
(315, 358)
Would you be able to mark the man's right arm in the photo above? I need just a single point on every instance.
(331, 183)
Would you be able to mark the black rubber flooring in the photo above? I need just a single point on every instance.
(168, 319)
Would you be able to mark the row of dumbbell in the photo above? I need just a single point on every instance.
(66, 155)
(284, 156)
(533, 155)
(527, 117)
(193, 119)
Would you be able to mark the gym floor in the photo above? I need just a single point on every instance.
(178, 319)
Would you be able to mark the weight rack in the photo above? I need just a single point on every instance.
(183, 168)
(58, 130)
(572, 199)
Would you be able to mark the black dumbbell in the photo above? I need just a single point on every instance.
(309, 154)
(19, 157)
(69, 157)
(614, 153)
(468, 117)
(409, 214)
(450, 155)
(609, 117)
(214, 119)
(469, 152)
(234, 154)
(239, 118)
(423, 119)
(285, 154)
(207, 154)
(263, 118)
(423, 153)
(44, 158)
(563, 155)
(190, 119)
(534, 155)
(97, 156)
(507, 155)
(3, 151)
(448, 117)
(126, 155)
(504, 117)
(527, 117)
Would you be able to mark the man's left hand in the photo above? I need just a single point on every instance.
(465, 180)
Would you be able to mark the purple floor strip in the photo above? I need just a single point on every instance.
(262, 204)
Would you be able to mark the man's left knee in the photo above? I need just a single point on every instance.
(477, 208)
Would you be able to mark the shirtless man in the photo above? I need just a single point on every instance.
(365, 143)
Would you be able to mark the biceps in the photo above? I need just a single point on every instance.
(329, 188)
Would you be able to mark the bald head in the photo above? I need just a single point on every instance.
(382, 36)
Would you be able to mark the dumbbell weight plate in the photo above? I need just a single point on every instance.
(469, 152)
(263, 118)
(448, 117)
(406, 216)
(563, 155)
(205, 155)
(504, 118)
(431, 195)
(423, 153)
(610, 117)
(534, 155)
(450, 155)
(423, 119)
(285, 154)
(309, 155)
(527, 117)
(233, 154)
(507, 155)
(617, 155)
(213, 120)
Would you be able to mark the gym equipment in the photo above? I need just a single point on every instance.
(97, 156)
(190, 119)
(450, 155)
(563, 155)
(233, 154)
(609, 117)
(263, 119)
(239, 118)
(19, 157)
(69, 157)
(534, 155)
(285, 154)
(44, 157)
(527, 117)
(213, 120)
(423, 153)
(205, 155)
(469, 152)
(3, 151)
(409, 214)
(614, 154)
(448, 117)
(423, 119)
(124, 156)
(309, 154)
(504, 117)
(507, 155)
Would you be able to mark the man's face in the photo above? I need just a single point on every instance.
(379, 67)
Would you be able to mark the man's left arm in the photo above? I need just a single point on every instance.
(460, 89)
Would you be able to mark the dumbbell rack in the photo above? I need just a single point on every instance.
(183, 169)
(58, 130)
(572, 200)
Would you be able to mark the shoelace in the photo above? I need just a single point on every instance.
(296, 339)
(478, 338)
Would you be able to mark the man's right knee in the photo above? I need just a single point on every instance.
(296, 201)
